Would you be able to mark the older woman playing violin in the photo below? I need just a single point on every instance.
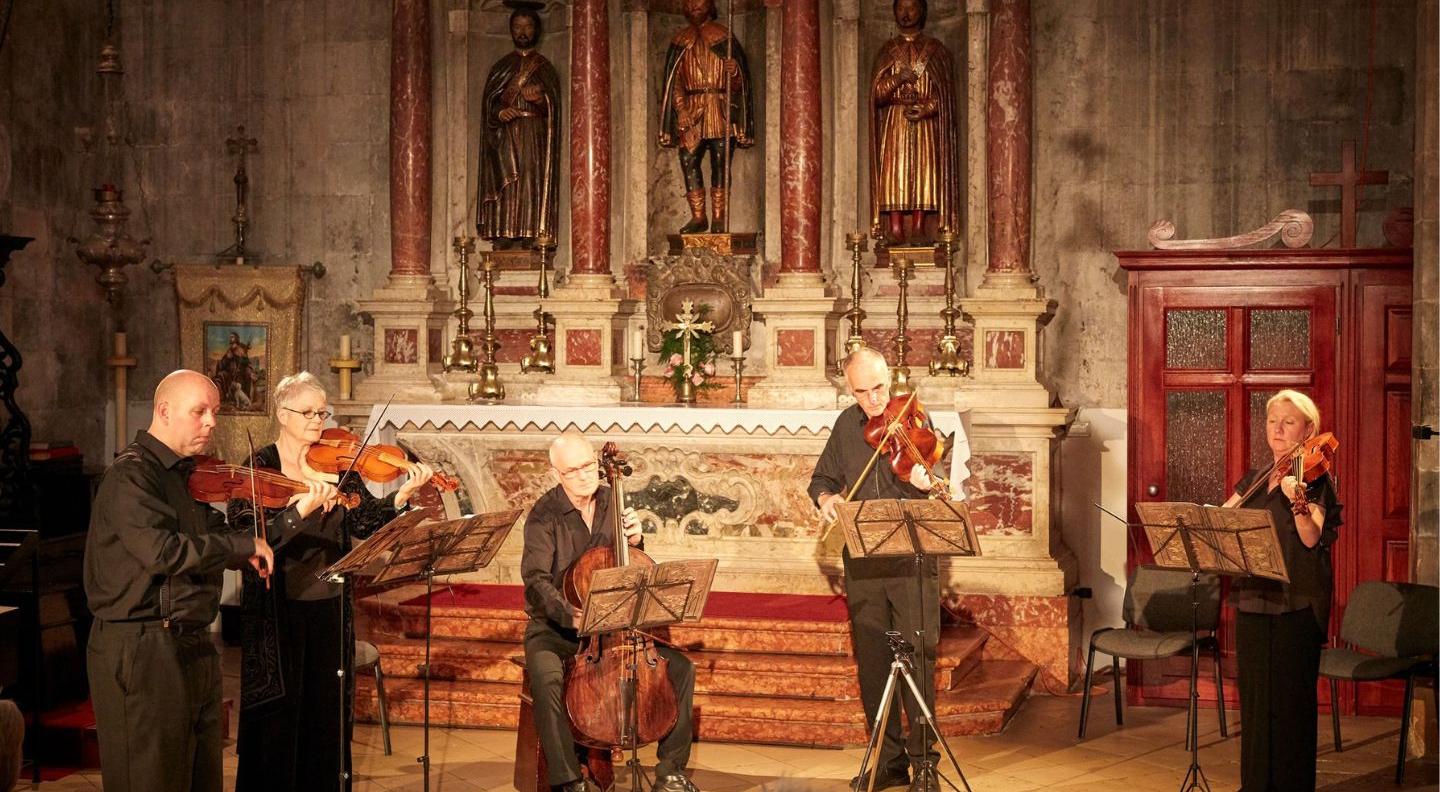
(297, 635)
(1280, 627)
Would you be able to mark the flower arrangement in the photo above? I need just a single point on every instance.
(702, 358)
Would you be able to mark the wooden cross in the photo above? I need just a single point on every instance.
(687, 325)
(1348, 179)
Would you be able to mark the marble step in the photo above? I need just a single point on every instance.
(983, 704)
(733, 672)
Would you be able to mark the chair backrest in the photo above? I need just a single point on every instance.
(1159, 599)
(1393, 619)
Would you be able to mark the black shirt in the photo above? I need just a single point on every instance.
(145, 529)
(1312, 578)
(556, 535)
(843, 461)
(305, 547)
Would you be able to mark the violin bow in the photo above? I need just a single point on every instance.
(260, 532)
(361, 450)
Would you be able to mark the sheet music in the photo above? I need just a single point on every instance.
(1239, 542)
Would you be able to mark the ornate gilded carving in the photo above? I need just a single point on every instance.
(1293, 226)
(704, 278)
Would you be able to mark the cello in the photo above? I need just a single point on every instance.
(617, 687)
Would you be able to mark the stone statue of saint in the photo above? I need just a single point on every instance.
(915, 185)
(519, 142)
(704, 67)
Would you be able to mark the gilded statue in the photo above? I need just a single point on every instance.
(519, 142)
(915, 185)
(706, 107)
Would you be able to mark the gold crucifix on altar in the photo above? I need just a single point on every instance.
(687, 323)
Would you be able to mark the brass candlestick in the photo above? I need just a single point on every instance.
(855, 243)
(739, 361)
(241, 146)
(462, 351)
(489, 388)
(947, 358)
(541, 359)
(900, 384)
(637, 365)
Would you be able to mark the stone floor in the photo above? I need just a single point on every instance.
(1037, 750)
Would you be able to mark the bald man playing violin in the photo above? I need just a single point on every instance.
(152, 572)
(571, 518)
(881, 592)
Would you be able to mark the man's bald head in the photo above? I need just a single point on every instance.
(184, 413)
(572, 457)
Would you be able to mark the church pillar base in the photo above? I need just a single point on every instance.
(590, 317)
(409, 315)
(801, 316)
(1007, 326)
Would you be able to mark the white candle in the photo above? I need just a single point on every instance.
(637, 344)
(239, 261)
(737, 343)
(345, 347)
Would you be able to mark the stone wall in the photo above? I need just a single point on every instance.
(1425, 497)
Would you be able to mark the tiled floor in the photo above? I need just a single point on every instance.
(1037, 750)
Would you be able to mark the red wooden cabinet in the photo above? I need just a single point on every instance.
(1213, 334)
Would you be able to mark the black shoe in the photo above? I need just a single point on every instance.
(886, 779)
(675, 782)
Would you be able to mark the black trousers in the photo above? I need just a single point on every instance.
(690, 163)
(1279, 662)
(884, 595)
(546, 650)
(157, 707)
(294, 744)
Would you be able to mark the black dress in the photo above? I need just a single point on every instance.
(294, 635)
(1279, 630)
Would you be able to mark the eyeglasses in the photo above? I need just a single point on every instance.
(310, 415)
(587, 469)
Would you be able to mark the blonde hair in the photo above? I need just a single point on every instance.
(290, 387)
(1303, 403)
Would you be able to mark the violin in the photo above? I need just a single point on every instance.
(1308, 460)
(217, 481)
(339, 450)
(902, 434)
(610, 667)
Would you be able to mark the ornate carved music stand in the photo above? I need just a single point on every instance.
(631, 598)
(1234, 542)
(917, 528)
(414, 546)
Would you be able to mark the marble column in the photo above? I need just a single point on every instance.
(590, 138)
(800, 152)
(1008, 114)
(977, 80)
(411, 113)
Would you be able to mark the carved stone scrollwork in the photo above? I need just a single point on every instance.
(707, 279)
(1293, 226)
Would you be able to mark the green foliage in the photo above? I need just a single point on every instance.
(702, 356)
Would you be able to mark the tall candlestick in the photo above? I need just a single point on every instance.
(121, 362)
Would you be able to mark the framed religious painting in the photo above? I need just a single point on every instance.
(240, 326)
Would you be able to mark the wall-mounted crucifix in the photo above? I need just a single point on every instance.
(242, 147)
(1348, 179)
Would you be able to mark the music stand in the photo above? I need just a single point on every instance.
(418, 545)
(1231, 542)
(917, 528)
(631, 598)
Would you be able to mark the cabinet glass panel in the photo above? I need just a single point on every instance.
(1195, 339)
(1259, 445)
(1195, 446)
(1280, 338)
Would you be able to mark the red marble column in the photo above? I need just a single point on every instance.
(410, 122)
(800, 152)
(1007, 127)
(590, 138)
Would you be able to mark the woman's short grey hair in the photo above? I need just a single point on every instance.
(290, 388)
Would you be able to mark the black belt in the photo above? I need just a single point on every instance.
(706, 91)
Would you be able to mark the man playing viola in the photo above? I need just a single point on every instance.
(569, 519)
(153, 561)
(294, 631)
(881, 592)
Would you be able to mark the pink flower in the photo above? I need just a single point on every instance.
(675, 359)
(697, 378)
(669, 370)
(709, 369)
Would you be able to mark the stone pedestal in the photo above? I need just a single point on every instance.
(591, 318)
(801, 319)
(410, 338)
(1007, 326)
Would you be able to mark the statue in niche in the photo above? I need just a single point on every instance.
(915, 185)
(519, 142)
(704, 67)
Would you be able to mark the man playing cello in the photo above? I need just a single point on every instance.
(880, 592)
(569, 519)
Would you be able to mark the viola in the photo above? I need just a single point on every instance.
(1307, 460)
(217, 481)
(339, 450)
(902, 434)
(607, 666)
